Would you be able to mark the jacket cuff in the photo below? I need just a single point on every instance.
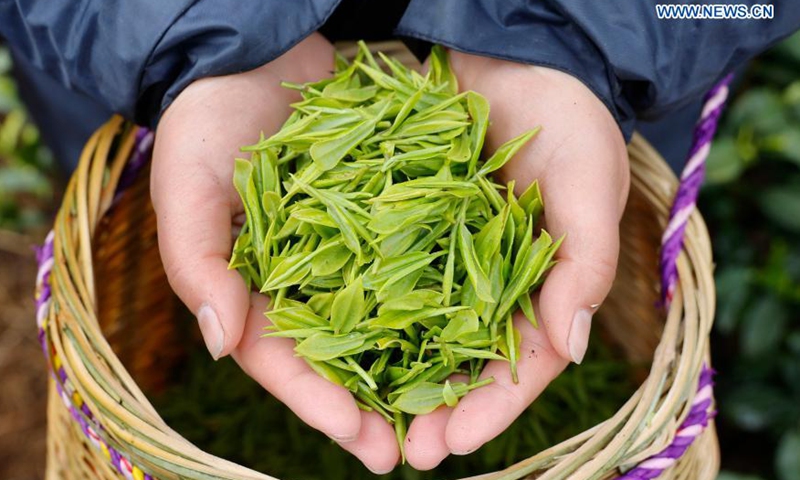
(214, 37)
(536, 34)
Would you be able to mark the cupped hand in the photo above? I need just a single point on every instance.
(197, 207)
(580, 161)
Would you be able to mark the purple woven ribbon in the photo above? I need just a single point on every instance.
(142, 151)
(689, 187)
(672, 242)
(699, 416)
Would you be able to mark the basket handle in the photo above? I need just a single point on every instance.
(689, 186)
(671, 244)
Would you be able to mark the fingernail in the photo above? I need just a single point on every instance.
(343, 438)
(463, 452)
(578, 339)
(378, 471)
(211, 329)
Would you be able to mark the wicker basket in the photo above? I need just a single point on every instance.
(111, 328)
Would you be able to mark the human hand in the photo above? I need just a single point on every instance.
(197, 206)
(580, 160)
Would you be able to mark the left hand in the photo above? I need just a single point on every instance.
(580, 160)
(196, 208)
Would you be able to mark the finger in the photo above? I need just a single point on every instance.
(271, 362)
(376, 445)
(191, 182)
(580, 161)
(425, 446)
(583, 201)
(487, 411)
(193, 212)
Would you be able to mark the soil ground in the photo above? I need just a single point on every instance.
(23, 385)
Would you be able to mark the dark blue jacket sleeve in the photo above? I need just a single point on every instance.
(636, 63)
(134, 56)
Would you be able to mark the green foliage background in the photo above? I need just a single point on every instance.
(751, 203)
(26, 168)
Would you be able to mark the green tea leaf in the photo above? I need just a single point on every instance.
(288, 271)
(423, 399)
(348, 307)
(531, 201)
(392, 257)
(506, 152)
(474, 353)
(449, 395)
(513, 341)
(426, 397)
(524, 302)
(400, 266)
(321, 303)
(322, 346)
(291, 318)
(412, 301)
(243, 182)
(331, 261)
(440, 68)
(478, 108)
(328, 153)
(525, 273)
(355, 95)
(462, 323)
(476, 275)
(400, 319)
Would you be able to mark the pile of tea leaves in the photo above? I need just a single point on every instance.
(389, 253)
(220, 409)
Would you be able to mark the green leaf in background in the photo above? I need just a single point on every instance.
(761, 110)
(23, 179)
(785, 144)
(26, 166)
(755, 407)
(789, 50)
(782, 205)
(8, 94)
(724, 163)
(763, 326)
(791, 96)
(724, 475)
(787, 458)
(733, 287)
(793, 342)
(8, 91)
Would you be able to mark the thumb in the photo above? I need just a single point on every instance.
(584, 272)
(571, 295)
(194, 236)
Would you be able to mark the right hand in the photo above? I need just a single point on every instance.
(581, 163)
(196, 205)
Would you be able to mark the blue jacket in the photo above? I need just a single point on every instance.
(135, 56)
